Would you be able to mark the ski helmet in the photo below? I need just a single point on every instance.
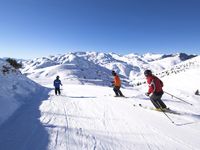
(57, 77)
(113, 73)
(147, 72)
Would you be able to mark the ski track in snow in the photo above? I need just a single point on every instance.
(84, 118)
(104, 122)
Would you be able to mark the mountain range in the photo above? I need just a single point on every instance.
(95, 67)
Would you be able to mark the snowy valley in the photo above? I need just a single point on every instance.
(86, 116)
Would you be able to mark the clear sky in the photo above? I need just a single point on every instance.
(34, 28)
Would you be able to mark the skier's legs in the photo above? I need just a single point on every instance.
(56, 91)
(153, 99)
(119, 91)
(59, 91)
(115, 89)
(157, 102)
(161, 103)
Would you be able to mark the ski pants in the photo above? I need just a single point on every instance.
(57, 91)
(157, 102)
(117, 91)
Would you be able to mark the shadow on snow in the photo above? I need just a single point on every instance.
(23, 130)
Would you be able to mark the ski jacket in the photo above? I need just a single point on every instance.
(155, 85)
(57, 83)
(117, 81)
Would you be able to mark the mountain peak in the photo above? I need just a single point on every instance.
(98, 65)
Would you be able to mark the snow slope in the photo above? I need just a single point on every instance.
(88, 117)
(15, 90)
(96, 120)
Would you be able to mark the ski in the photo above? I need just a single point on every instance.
(161, 110)
(117, 96)
(121, 96)
(158, 110)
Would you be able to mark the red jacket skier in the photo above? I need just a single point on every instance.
(155, 90)
(155, 84)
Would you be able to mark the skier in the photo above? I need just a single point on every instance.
(117, 84)
(155, 90)
(57, 84)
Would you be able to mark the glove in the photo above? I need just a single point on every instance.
(147, 94)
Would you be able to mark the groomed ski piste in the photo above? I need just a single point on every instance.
(89, 117)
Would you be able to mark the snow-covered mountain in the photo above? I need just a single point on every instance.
(94, 67)
(15, 89)
(183, 66)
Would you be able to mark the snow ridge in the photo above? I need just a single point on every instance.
(14, 89)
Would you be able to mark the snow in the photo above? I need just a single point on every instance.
(86, 117)
(14, 90)
(89, 117)
(152, 57)
(130, 66)
(70, 66)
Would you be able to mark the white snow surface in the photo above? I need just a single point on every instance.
(15, 90)
(88, 117)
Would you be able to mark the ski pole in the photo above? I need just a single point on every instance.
(165, 113)
(178, 98)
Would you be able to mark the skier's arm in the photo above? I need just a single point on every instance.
(151, 86)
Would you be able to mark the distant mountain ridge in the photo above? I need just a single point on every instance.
(189, 64)
(95, 67)
(182, 56)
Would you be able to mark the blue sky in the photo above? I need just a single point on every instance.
(34, 28)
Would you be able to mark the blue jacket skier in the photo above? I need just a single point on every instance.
(57, 84)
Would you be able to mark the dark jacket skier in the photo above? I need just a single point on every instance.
(57, 84)
(155, 90)
(117, 84)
